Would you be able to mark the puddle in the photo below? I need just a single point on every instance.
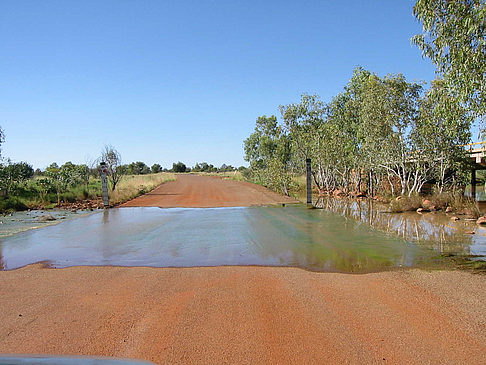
(182, 237)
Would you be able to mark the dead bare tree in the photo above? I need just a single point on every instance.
(112, 158)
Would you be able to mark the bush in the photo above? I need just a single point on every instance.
(11, 204)
(440, 201)
(406, 203)
(179, 167)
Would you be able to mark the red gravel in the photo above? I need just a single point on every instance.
(237, 315)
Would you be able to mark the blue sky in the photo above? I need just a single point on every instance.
(165, 81)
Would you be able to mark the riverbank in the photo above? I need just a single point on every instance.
(245, 315)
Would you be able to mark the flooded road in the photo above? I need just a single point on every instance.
(182, 237)
(16, 222)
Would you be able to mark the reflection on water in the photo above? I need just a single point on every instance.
(277, 236)
(431, 230)
(480, 192)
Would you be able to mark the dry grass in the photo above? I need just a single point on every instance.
(458, 203)
(406, 203)
(230, 175)
(132, 186)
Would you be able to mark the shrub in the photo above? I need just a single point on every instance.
(406, 203)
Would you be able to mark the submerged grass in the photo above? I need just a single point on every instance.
(468, 263)
(440, 201)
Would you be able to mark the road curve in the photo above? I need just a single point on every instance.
(196, 191)
(234, 315)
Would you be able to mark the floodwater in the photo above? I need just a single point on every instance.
(433, 230)
(13, 223)
(313, 239)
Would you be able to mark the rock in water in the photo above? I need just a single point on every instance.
(47, 218)
(481, 220)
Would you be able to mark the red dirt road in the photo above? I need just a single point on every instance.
(195, 191)
(234, 315)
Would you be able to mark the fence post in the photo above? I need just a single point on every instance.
(104, 184)
(309, 182)
(473, 184)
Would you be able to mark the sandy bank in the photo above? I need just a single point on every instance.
(245, 315)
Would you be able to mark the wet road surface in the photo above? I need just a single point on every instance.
(183, 237)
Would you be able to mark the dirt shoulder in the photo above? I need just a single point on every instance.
(195, 191)
(245, 315)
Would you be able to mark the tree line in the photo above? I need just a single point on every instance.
(19, 182)
(378, 134)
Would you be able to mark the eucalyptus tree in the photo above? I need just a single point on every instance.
(268, 149)
(344, 118)
(441, 129)
(310, 138)
(179, 167)
(61, 178)
(342, 143)
(388, 110)
(156, 168)
(12, 175)
(454, 38)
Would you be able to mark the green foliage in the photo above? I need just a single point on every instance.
(443, 126)
(156, 168)
(380, 134)
(454, 38)
(226, 168)
(83, 173)
(268, 149)
(136, 168)
(56, 185)
(179, 167)
(12, 175)
(204, 167)
(11, 204)
(60, 178)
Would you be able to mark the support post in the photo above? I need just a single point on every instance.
(371, 192)
(473, 184)
(104, 184)
(309, 182)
